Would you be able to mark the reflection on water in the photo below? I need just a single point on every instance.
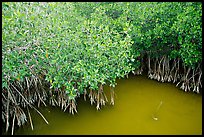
(137, 110)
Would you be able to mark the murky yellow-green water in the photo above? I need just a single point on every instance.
(137, 100)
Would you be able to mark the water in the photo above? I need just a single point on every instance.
(138, 110)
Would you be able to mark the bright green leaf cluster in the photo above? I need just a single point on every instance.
(72, 51)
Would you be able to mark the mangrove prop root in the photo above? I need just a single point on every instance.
(149, 67)
(66, 106)
(98, 103)
(72, 107)
(7, 113)
(101, 97)
(85, 92)
(162, 71)
(91, 95)
(158, 72)
(40, 114)
(21, 94)
(20, 115)
(71, 104)
(198, 83)
(31, 123)
(155, 69)
(185, 84)
(31, 106)
(12, 131)
(186, 77)
(27, 83)
(97, 97)
(112, 96)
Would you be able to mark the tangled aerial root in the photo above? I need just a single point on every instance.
(189, 79)
(100, 98)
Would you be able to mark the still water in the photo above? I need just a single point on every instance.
(142, 106)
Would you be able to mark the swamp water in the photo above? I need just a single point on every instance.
(142, 106)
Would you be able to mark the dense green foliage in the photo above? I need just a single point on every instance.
(72, 48)
(170, 35)
(68, 50)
